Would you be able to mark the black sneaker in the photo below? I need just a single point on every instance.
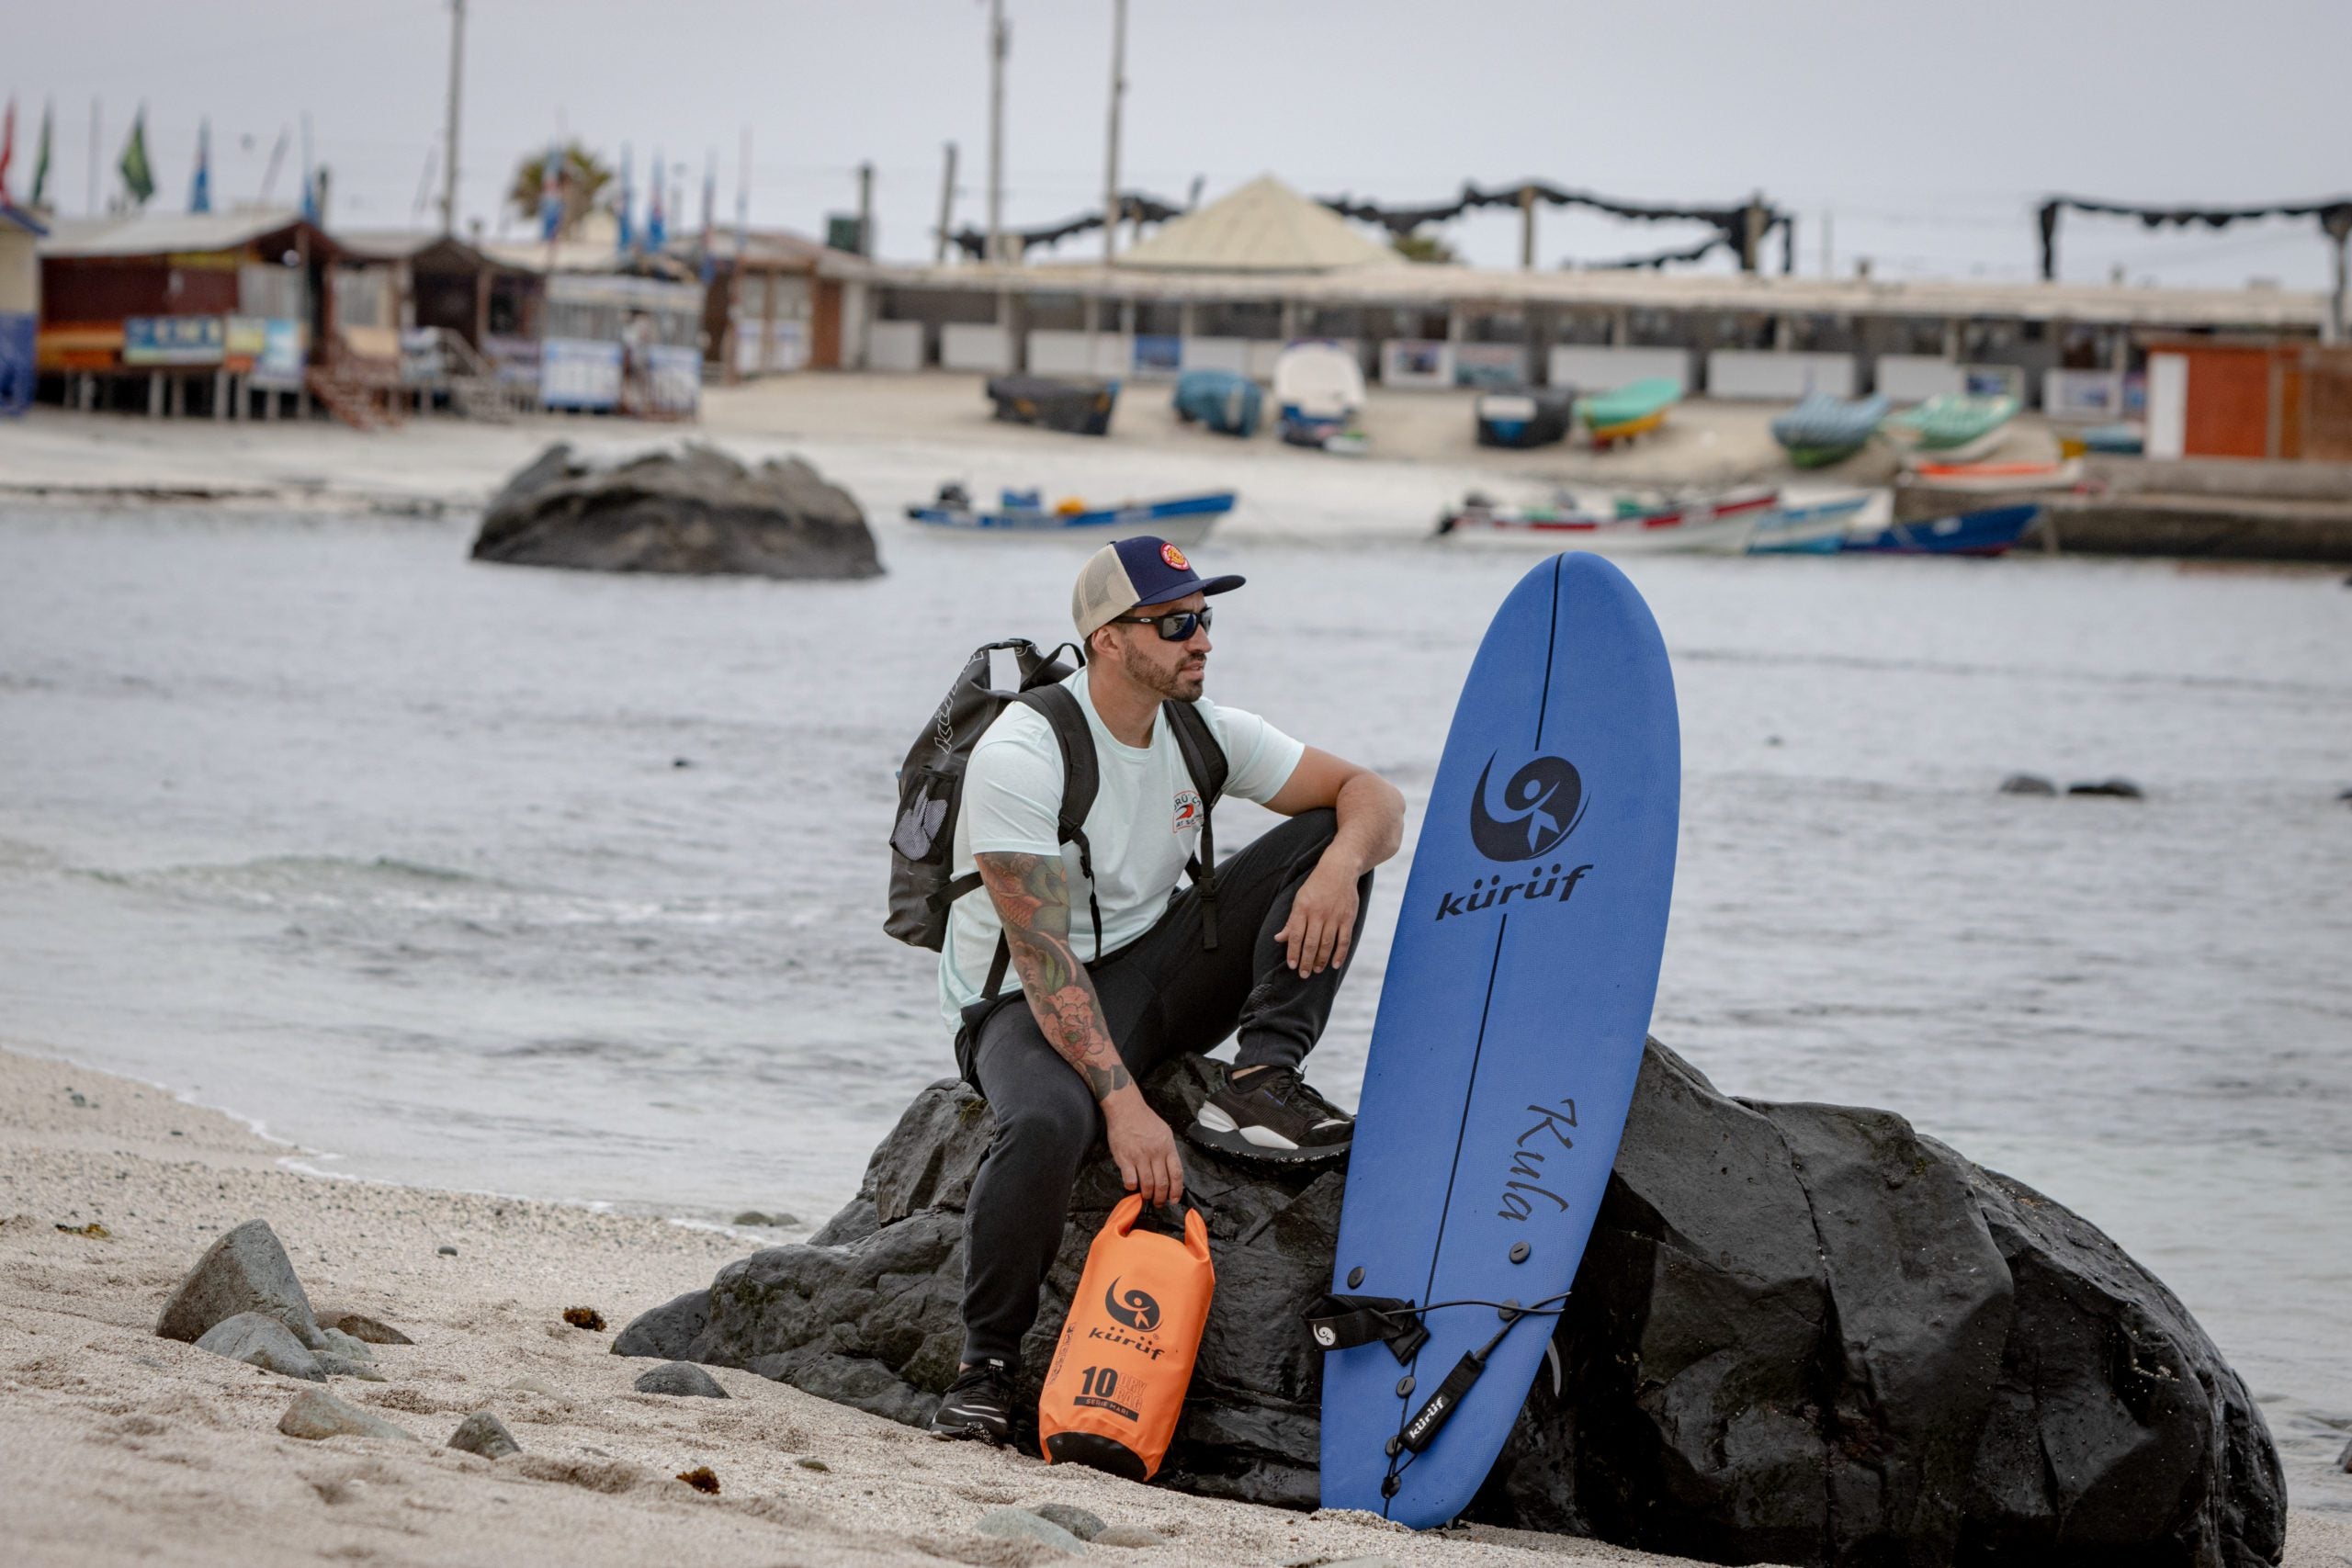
(979, 1403)
(1272, 1114)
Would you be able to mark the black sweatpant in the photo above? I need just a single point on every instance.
(1161, 994)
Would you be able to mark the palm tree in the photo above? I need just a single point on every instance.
(1423, 246)
(582, 177)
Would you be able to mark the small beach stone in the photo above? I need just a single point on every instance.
(2028, 783)
(816, 1464)
(345, 1344)
(1071, 1518)
(1020, 1524)
(359, 1326)
(317, 1414)
(758, 1217)
(446, 1250)
(2116, 789)
(668, 1330)
(260, 1340)
(540, 1386)
(244, 1271)
(1127, 1535)
(682, 1378)
(484, 1434)
(334, 1364)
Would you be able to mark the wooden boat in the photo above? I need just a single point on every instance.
(1629, 410)
(1823, 429)
(1711, 525)
(1319, 388)
(1525, 416)
(1954, 419)
(1183, 520)
(1817, 527)
(2045, 475)
(1223, 401)
(1986, 533)
(1080, 408)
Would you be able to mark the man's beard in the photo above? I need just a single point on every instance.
(1183, 684)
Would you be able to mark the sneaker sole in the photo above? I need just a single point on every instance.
(1239, 1147)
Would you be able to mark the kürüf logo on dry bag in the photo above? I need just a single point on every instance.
(1126, 1353)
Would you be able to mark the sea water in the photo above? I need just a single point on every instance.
(570, 885)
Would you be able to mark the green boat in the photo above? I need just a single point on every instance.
(1955, 419)
(1629, 411)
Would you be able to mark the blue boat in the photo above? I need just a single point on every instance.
(1224, 401)
(1987, 533)
(1183, 520)
(1822, 429)
(1525, 416)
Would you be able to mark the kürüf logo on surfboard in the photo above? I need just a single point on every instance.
(1523, 818)
(1539, 806)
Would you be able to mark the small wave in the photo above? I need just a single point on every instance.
(310, 879)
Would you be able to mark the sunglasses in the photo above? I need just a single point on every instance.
(1174, 627)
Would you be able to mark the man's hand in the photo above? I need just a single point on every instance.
(1322, 919)
(1143, 1146)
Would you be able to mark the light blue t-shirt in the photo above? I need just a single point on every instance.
(1144, 825)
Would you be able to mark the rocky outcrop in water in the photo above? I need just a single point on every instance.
(1801, 1334)
(696, 512)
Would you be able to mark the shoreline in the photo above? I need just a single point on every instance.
(121, 1446)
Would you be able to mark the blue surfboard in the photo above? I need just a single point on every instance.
(1510, 1034)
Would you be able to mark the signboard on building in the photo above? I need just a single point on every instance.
(1158, 354)
(285, 349)
(1417, 362)
(1489, 365)
(579, 373)
(174, 340)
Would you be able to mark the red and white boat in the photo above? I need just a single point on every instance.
(1717, 525)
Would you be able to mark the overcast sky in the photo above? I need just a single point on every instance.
(1926, 131)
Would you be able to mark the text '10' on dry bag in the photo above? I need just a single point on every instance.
(1125, 1358)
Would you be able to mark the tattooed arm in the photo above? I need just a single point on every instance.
(1032, 896)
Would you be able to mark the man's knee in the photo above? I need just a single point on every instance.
(1309, 834)
(1049, 1123)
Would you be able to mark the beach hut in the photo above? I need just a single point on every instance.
(19, 304)
(197, 313)
(450, 308)
(776, 301)
(613, 333)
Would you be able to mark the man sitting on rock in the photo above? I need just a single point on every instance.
(1063, 1071)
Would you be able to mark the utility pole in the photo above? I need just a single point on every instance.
(866, 210)
(1751, 233)
(449, 135)
(2336, 223)
(1111, 165)
(999, 39)
(1526, 228)
(946, 208)
(94, 157)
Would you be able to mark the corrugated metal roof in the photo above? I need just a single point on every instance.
(1434, 287)
(1264, 227)
(159, 233)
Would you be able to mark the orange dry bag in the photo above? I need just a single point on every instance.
(1125, 1355)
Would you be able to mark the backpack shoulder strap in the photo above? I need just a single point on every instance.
(1081, 781)
(1205, 758)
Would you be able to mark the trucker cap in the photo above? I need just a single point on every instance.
(1129, 572)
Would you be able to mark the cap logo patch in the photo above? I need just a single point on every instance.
(1174, 558)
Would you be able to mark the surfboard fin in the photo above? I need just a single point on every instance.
(1551, 1356)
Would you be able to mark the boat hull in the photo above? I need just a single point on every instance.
(1724, 527)
(1987, 533)
(1182, 521)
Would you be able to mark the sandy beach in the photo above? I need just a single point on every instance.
(117, 1446)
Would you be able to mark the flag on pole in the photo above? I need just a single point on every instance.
(8, 148)
(199, 191)
(137, 178)
(709, 201)
(551, 193)
(626, 227)
(41, 157)
(309, 180)
(657, 228)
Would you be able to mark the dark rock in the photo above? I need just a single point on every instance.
(668, 1330)
(754, 1218)
(1020, 1524)
(1802, 1333)
(337, 1365)
(368, 1330)
(260, 1340)
(2119, 789)
(316, 1414)
(696, 512)
(484, 1434)
(681, 1378)
(345, 1345)
(1071, 1518)
(816, 1464)
(446, 1250)
(2028, 783)
(244, 1271)
(2344, 1460)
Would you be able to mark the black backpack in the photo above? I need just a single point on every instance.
(931, 795)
